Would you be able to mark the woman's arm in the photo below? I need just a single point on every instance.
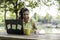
(35, 25)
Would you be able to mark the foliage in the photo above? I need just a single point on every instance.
(14, 6)
(36, 17)
(12, 16)
(58, 1)
(58, 17)
(1, 18)
(48, 17)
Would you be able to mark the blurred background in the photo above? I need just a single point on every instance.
(45, 12)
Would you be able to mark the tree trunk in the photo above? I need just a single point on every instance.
(16, 11)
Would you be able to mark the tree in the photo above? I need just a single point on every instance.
(14, 6)
(58, 16)
(17, 5)
(59, 4)
(48, 17)
(14, 3)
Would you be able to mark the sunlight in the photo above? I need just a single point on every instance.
(42, 10)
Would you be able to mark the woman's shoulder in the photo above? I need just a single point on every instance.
(32, 20)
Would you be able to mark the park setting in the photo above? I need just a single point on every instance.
(46, 14)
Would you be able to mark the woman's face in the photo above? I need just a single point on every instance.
(26, 16)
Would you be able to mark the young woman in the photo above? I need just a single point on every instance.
(28, 23)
